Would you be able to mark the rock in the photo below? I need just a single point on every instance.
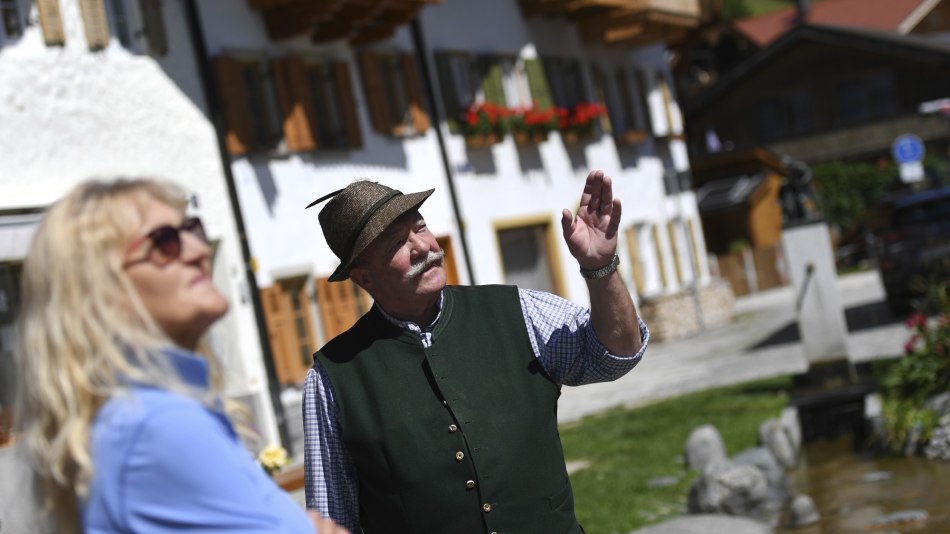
(728, 488)
(793, 427)
(706, 524)
(803, 512)
(938, 448)
(703, 447)
(778, 486)
(940, 404)
(773, 435)
(900, 520)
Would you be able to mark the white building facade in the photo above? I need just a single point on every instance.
(312, 100)
(111, 88)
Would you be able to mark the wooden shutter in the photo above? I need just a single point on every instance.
(691, 237)
(492, 85)
(51, 22)
(293, 94)
(417, 108)
(633, 249)
(344, 85)
(659, 255)
(338, 306)
(375, 90)
(95, 22)
(443, 64)
(235, 104)
(277, 317)
(154, 21)
(451, 272)
(600, 94)
(671, 229)
(538, 83)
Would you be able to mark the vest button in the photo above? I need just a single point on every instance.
(460, 456)
(470, 484)
(453, 428)
(486, 507)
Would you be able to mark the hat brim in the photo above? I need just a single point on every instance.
(377, 223)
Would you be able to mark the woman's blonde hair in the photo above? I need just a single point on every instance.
(83, 330)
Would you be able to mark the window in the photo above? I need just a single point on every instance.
(241, 87)
(468, 79)
(316, 103)
(119, 21)
(289, 329)
(643, 91)
(527, 256)
(565, 81)
(340, 305)
(615, 93)
(866, 97)
(12, 20)
(786, 114)
(393, 92)
(9, 303)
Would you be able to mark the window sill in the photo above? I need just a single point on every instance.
(573, 138)
(481, 140)
(526, 139)
(632, 137)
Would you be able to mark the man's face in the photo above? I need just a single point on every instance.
(403, 267)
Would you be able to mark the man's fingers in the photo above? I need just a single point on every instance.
(606, 194)
(592, 190)
(616, 212)
(567, 222)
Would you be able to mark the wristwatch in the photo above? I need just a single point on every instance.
(603, 271)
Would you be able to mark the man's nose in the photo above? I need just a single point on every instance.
(420, 247)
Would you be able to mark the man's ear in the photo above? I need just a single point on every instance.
(362, 277)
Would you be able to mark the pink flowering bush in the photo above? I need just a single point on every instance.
(922, 373)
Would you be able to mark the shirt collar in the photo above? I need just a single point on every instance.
(192, 368)
(411, 326)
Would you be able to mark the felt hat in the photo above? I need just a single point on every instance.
(357, 214)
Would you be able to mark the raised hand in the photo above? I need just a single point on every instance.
(591, 235)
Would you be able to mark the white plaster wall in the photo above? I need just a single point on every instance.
(285, 239)
(493, 185)
(67, 114)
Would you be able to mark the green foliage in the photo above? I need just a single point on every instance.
(628, 448)
(846, 191)
(738, 245)
(923, 371)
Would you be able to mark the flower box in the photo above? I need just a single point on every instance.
(529, 138)
(476, 141)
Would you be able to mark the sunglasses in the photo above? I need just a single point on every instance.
(166, 241)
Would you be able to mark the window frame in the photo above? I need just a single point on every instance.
(549, 242)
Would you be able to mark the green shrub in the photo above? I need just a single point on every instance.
(924, 371)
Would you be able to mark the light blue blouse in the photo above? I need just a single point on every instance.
(166, 463)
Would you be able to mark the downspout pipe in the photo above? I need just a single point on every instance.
(196, 32)
(418, 42)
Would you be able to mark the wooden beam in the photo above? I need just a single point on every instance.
(297, 18)
(623, 33)
(593, 29)
(372, 34)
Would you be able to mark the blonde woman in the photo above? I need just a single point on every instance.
(121, 417)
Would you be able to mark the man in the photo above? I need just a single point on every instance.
(437, 411)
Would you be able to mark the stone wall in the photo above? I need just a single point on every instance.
(672, 317)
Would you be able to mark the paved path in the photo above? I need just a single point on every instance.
(762, 342)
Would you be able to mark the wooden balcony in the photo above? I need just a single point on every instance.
(626, 22)
(357, 21)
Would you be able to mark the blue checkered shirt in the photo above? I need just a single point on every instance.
(563, 341)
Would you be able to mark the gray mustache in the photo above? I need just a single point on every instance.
(424, 263)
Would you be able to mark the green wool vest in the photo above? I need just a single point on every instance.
(458, 438)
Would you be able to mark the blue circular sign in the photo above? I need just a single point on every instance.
(907, 148)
